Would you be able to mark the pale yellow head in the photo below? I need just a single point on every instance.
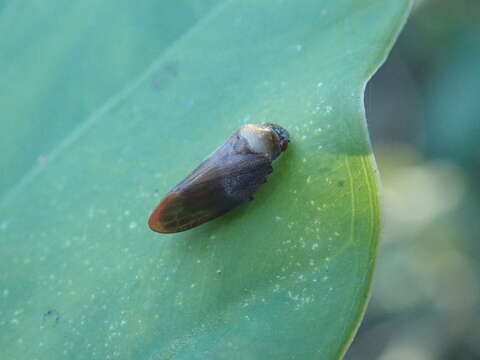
(268, 139)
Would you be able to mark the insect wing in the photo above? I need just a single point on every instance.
(217, 185)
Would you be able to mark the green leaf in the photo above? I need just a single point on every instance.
(285, 276)
(60, 61)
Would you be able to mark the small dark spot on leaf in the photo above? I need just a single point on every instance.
(340, 183)
(51, 316)
(165, 75)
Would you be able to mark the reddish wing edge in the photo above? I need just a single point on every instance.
(180, 211)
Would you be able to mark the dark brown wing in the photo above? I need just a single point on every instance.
(234, 145)
(215, 187)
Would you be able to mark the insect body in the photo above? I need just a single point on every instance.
(225, 179)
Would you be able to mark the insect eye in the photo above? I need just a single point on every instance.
(283, 144)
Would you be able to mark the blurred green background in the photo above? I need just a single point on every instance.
(423, 110)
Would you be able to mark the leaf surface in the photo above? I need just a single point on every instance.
(286, 276)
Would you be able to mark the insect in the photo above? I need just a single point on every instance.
(226, 178)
